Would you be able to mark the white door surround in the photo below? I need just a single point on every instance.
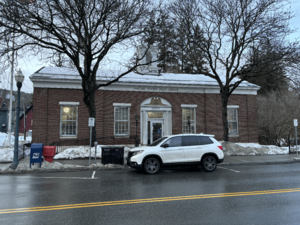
(155, 109)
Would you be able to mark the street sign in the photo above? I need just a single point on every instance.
(91, 122)
(295, 122)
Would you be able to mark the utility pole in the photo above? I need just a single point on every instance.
(24, 122)
(11, 90)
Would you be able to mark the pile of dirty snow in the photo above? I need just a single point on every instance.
(24, 166)
(83, 152)
(4, 139)
(252, 149)
(6, 154)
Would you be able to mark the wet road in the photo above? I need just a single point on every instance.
(265, 194)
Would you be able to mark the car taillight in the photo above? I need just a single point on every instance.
(220, 147)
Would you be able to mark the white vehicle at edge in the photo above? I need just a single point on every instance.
(174, 150)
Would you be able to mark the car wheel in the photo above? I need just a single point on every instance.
(151, 165)
(209, 163)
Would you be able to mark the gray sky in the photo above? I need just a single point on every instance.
(31, 66)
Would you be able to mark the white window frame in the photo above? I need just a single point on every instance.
(189, 106)
(236, 107)
(68, 104)
(122, 105)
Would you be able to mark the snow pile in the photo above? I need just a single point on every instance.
(28, 139)
(4, 139)
(83, 152)
(6, 154)
(252, 149)
(24, 166)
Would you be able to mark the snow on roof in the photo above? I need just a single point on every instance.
(60, 73)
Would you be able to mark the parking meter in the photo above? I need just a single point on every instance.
(95, 144)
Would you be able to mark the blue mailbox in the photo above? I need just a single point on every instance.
(36, 153)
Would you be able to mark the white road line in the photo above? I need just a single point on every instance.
(229, 169)
(93, 176)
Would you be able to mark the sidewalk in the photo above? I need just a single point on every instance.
(83, 164)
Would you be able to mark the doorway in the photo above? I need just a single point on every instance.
(155, 130)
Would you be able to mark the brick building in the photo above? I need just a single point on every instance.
(162, 102)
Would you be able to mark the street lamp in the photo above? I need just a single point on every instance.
(136, 136)
(19, 77)
(189, 122)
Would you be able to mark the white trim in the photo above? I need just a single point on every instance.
(69, 103)
(122, 104)
(188, 106)
(144, 87)
(233, 106)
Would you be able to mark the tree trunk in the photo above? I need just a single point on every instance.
(224, 97)
(89, 101)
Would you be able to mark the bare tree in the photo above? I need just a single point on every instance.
(275, 117)
(83, 31)
(226, 31)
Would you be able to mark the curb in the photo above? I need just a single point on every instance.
(60, 170)
(261, 163)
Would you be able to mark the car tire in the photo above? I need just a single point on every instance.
(151, 165)
(209, 163)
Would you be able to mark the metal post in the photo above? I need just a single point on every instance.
(24, 122)
(296, 140)
(11, 91)
(16, 159)
(95, 144)
(90, 144)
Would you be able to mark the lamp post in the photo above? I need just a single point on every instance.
(19, 77)
(136, 136)
(189, 122)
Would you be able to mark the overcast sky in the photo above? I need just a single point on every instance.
(31, 66)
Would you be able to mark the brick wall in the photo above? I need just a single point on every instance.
(46, 113)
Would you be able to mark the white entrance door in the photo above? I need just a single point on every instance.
(155, 130)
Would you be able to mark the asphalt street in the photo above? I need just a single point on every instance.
(256, 194)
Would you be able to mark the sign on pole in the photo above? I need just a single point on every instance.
(91, 125)
(91, 122)
(296, 122)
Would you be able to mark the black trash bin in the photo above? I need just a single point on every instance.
(113, 155)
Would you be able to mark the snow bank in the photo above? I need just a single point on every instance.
(4, 139)
(252, 149)
(24, 166)
(6, 154)
(83, 152)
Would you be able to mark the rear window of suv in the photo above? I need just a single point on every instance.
(204, 140)
(190, 140)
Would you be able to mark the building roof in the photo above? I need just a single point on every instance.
(71, 79)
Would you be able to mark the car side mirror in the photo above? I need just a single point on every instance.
(165, 145)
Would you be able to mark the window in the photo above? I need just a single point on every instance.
(205, 140)
(68, 121)
(174, 142)
(190, 140)
(232, 117)
(188, 112)
(121, 121)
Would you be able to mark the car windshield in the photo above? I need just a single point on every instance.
(158, 141)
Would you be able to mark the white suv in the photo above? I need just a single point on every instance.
(181, 149)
